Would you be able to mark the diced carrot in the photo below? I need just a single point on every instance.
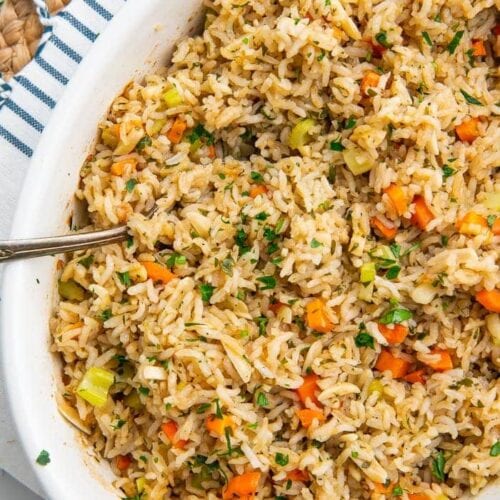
(158, 272)
(383, 488)
(370, 79)
(118, 168)
(170, 428)
(422, 215)
(388, 232)
(387, 362)
(418, 496)
(472, 223)
(489, 299)
(218, 425)
(394, 335)
(211, 151)
(443, 361)
(306, 416)
(478, 48)
(468, 130)
(317, 317)
(496, 227)
(398, 198)
(298, 475)
(256, 190)
(242, 486)
(308, 388)
(177, 130)
(414, 377)
(276, 306)
(123, 462)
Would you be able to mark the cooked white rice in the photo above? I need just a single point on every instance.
(258, 69)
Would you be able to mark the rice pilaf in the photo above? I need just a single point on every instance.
(312, 311)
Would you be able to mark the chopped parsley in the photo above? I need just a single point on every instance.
(262, 216)
(119, 424)
(490, 220)
(240, 238)
(397, 491)
(438, 466)
(86, 262)
(281, 459)
(43, 458)
(495, 449)
(364, 339)
(176, 259)
(393, 272)
(106, 314)
(315, 243)
(256, 177)
(448, 171)
(130, 185)
(269, 282)
(381, 38)
(145, 141)
(262, 400)
(427, 38)
(124, 278)
(444, 240)
(395, 316)
(336, 145)
(203, 408)
(206, 291)
(200, 133)
(262, 322)
(144, 390)
(452, 46)
(349, 123)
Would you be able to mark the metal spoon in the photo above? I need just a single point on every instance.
(39, 247)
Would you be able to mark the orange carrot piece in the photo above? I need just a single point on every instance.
(276, 306)
(218, 425)
(256, 190)
(317, 317)
(308, 388)
(478, 48)
(370, 79)
(298, 475)
(414, 377)
(383, 488)
(489, 299)
(388, 232)
(387, 362)
(306, 416)
(397, 197)
(468, 130)
(170, 428)
(472, 223)
(118, 168)
(177, 130)
(244, 485)
(444, 361)
(496, 227)
(418, 496)
(158, 272)
(211, 151)
(394, 335)
(123, 462)
(422, 215)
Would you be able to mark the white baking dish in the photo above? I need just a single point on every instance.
(140, 37)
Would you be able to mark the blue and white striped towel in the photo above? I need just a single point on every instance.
(26, 102)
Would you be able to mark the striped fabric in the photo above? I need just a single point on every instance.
(26, 101)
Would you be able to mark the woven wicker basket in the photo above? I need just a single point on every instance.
(20, 32)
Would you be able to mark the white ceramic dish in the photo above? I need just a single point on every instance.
(141, 36)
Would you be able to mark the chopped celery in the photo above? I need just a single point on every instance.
(110, 137)
(358, 161)
(367, 273)
(133, 400)
(299, 134)
(492, 201)
(95, 385)
(157, 126)
(71, 290)
(172, 98)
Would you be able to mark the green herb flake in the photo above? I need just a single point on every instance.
(396, 316)
(262, 322)
(397, 491)
(452, 46)
(256, 177)
(315, 243)
(438, 466)
(125, 278)
(176, 259)
(381, 38)
(490, 220)
(281, 459)
(354, 454)
(87, 261)
(119, 424)
(105, 315)
(203, 408)
(349, 123)
(448, 171)
(144, 390)
(206, 291)
(495, 449)
(427, 38)
(364, 339)
(43, 458)
(240, 238)
(262, 216)
(130, 185)
(145, 141)
(393, 272)
(218, 411)
(262, 400)
(470, 99)
(269, 282)
(336, 145)
(444, 240)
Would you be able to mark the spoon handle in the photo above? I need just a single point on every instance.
(24, 249)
